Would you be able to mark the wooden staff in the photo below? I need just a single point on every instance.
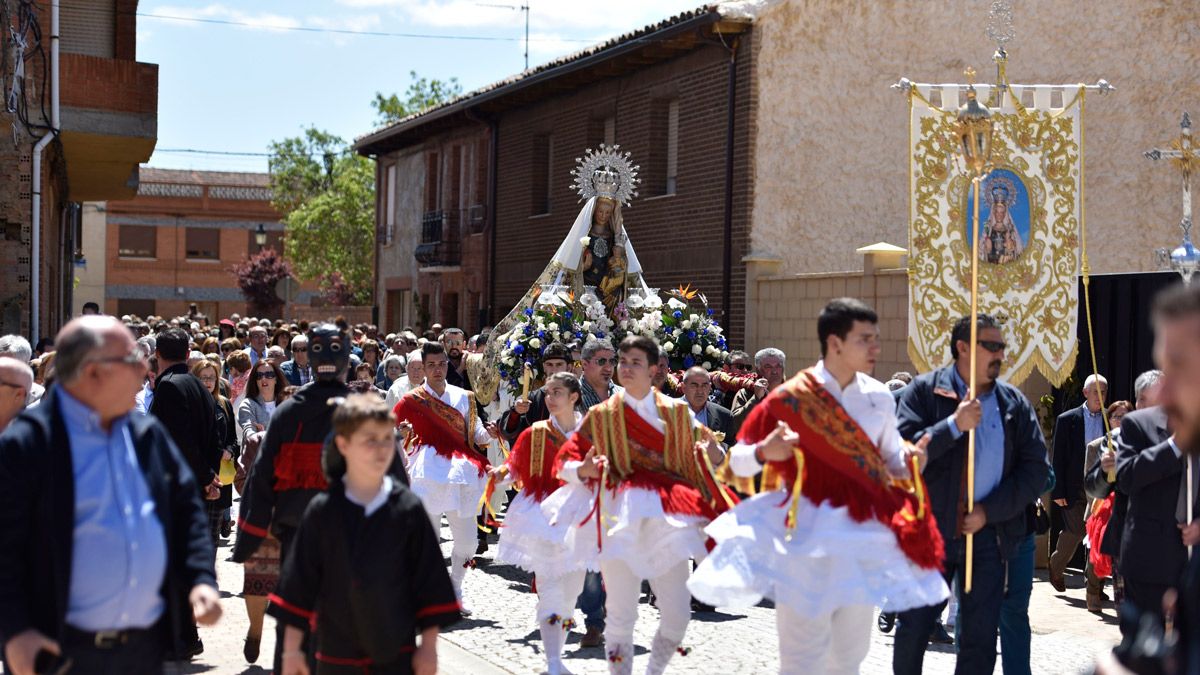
(526, 376)
(971, 386)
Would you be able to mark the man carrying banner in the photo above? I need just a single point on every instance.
(447, 469)
(653, 494)
(858, 538)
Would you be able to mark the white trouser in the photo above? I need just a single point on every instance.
(462, 529)
(832, 644)
(496, 458)
(624, 589)
(555, 606)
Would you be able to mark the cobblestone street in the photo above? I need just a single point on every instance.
(501, 638)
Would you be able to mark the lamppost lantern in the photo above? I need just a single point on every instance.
(974, 129)
(260, 236)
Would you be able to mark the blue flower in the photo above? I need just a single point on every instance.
(567, 313)
(710, 312)
(541, 333)
(519, 349)
(599, 333)
(578, 334)
(528, 311)
(677, 314)
(528, 329)
(688, 361)
(691, 335)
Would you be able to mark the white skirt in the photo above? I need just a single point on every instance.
(634, 529)
(444, 484)
(528, 541)
(831, 561)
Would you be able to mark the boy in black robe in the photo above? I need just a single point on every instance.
(365, 562)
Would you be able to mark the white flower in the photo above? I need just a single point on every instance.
(686, 325)
(669, 347)
(709, 350)
(535, 343)
(708, 365)
(510, 360)
(587, 325)
(678, 333)
(591, 337)
(674, 303)
(624, 324)
(696, 350)
(585, 241)
(552, 326)
(694, 318)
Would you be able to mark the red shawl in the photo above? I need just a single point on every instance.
(532, 459)
(442, 426)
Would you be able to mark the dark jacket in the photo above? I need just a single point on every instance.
(189, 414)
(291, 372)
(1149, 473)
(926, 408)
(720, 419)
(37, 510)
(1069, 450)
(512, 424)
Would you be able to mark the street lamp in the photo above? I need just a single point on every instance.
(974, 130)
(260, 236)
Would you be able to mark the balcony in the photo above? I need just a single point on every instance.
(439, 247)
(109, 123)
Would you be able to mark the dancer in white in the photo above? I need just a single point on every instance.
(851, 529)
(527, 539)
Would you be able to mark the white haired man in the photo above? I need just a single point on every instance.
(16, 377)
(19, 348)
(771, 366)
(1073, 430)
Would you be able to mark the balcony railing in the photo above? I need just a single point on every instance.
(439, 247)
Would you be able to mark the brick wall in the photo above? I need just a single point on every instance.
(108, 84)
(679, 238)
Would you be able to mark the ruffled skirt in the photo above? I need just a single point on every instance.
(633, 528)
(831, 561)
(446, 484)
(528, 541)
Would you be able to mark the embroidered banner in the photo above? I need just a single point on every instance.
(1029, 223)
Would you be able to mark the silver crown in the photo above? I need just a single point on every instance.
(606, 172)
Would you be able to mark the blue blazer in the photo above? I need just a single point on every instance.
(925, 408)
(37, 511)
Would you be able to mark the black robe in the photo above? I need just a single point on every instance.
(512, 423)
(372, 583)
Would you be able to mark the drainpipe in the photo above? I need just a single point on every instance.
(727, 245)
(36, 258)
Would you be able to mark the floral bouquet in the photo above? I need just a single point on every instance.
(689, 335)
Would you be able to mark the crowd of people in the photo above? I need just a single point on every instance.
(830, 493)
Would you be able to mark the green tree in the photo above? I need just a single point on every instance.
(422, 94)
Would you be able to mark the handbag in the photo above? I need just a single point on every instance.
(1041, 518)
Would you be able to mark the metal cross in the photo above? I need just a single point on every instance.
(1000, 23)
(1182, 153)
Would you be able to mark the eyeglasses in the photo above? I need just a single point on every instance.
(208, 378)
(227, 349)
(602, 361)
(993, 346)
(743, 367)
(265, 374)
(299, 350)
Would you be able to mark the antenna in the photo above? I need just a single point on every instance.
(519, 8)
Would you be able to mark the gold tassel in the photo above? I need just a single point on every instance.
(794, 507)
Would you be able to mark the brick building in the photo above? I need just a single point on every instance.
(174, 243)
(107, 105)
(678, 95)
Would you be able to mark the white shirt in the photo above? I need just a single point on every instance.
(869, 402)
(380, 498)
(398, 389)
(456, 398)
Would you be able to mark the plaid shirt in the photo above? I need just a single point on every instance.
(589, 397)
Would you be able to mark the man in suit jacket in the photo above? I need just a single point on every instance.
(1011, 471)
(697, 386)
(1073, 430)
(81, 458)
(297, 371)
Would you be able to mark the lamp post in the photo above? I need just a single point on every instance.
(974, 131)
(260, 237)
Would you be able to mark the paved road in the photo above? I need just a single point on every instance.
(501, 637)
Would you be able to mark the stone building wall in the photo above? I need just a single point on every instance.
(830, 166)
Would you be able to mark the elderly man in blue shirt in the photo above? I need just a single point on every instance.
(1011, 470)
(104, 549)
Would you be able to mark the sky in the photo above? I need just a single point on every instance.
(235, 88)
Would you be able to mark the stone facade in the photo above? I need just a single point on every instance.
(831, 148)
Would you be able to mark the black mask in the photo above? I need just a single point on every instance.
(328, 352)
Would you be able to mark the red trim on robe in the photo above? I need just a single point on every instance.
(284, 604)
(444, 608)
(255, 530)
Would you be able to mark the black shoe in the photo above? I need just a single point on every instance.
(226, 529)
(1104, 596)
(190, 652)
(886, 622)
(698, 606)
(482, 547)
(940, 636)
(250, 650)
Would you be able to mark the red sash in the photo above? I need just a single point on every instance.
(532, 459)
(842, 466)
(441, 426)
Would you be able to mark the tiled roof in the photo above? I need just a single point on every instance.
(185, 176)
(619, 40)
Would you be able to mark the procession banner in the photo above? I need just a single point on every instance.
(1029, 223)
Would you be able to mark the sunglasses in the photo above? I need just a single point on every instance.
(993, 346)
(743, 367)
(602, 361)
(265, 375)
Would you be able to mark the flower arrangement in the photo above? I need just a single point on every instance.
(689, 335)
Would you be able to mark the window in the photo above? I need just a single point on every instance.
(433, 183)
(274, 240)
(672, 146)
(389, 205)
(138, 308)
(137, 241)
(203, 243)
(543, 151)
